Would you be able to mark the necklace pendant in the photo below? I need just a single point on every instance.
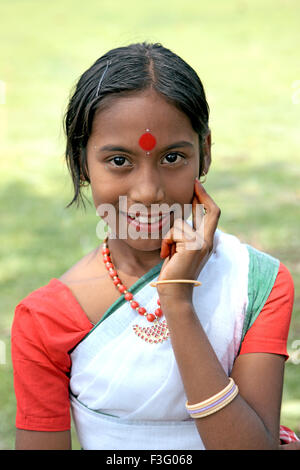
(156, 333)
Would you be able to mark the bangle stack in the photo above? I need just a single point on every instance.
(215, 403)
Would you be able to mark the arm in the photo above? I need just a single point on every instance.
(251, 420)
(36, 440)
(41, 387)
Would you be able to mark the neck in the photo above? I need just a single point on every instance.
(132, 261)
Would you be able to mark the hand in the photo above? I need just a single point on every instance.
(181, 261)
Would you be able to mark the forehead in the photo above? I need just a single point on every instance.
(130, 115)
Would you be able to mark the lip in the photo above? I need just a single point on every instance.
(149, 227)
(149, 216)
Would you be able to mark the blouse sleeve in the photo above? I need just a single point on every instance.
(269, 332)
(47, 325)
(41, 382)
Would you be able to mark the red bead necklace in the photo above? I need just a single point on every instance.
(159, 331)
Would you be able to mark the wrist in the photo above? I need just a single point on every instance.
(177, 310)
(171, 294)
(176, 289)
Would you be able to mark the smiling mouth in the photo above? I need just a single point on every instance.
(147, 223)
(147, 219)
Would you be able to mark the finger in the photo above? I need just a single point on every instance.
(198, 213)
(182, 230)
(186, 238)
(175, 234)
(173, 250)
(199, 204)
(166, 244)
(168, 249)
(213, 212)
(202, 196)
(165, 248)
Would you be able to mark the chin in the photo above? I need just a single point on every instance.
(144, 244)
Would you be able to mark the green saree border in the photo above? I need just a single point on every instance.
(262, 273)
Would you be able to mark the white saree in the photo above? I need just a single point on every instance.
(127, 393)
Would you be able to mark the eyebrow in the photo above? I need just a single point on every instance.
(117, 148)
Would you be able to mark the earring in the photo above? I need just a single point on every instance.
(82, 181)
(205, 177)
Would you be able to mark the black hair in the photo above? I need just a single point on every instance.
(120, 71)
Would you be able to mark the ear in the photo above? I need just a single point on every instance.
(207, 152)
(84, 172)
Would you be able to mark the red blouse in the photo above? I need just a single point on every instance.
(50, 322)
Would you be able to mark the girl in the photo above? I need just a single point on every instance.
(196, 363)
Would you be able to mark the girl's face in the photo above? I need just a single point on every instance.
(119, 166)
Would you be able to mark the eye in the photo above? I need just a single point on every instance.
(173, 157)
(118, 161)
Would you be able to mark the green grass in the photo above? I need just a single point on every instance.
(247, 55)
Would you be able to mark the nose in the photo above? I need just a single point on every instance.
(147, 187)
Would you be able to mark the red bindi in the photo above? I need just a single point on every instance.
(147, 141)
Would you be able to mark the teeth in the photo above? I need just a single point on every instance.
(146, 220)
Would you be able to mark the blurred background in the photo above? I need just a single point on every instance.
(246, 53)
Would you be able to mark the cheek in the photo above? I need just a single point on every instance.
(183, 190)
(102, 191)
(100, 185)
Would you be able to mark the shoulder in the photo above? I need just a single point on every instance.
(281, 297)
(82, 269)
(268, 279)
(51, 318)
(267, 322)
(51, 305)
(270, 286)
(260, 266)
(284, 280)
(56, 301)
(83, 278)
